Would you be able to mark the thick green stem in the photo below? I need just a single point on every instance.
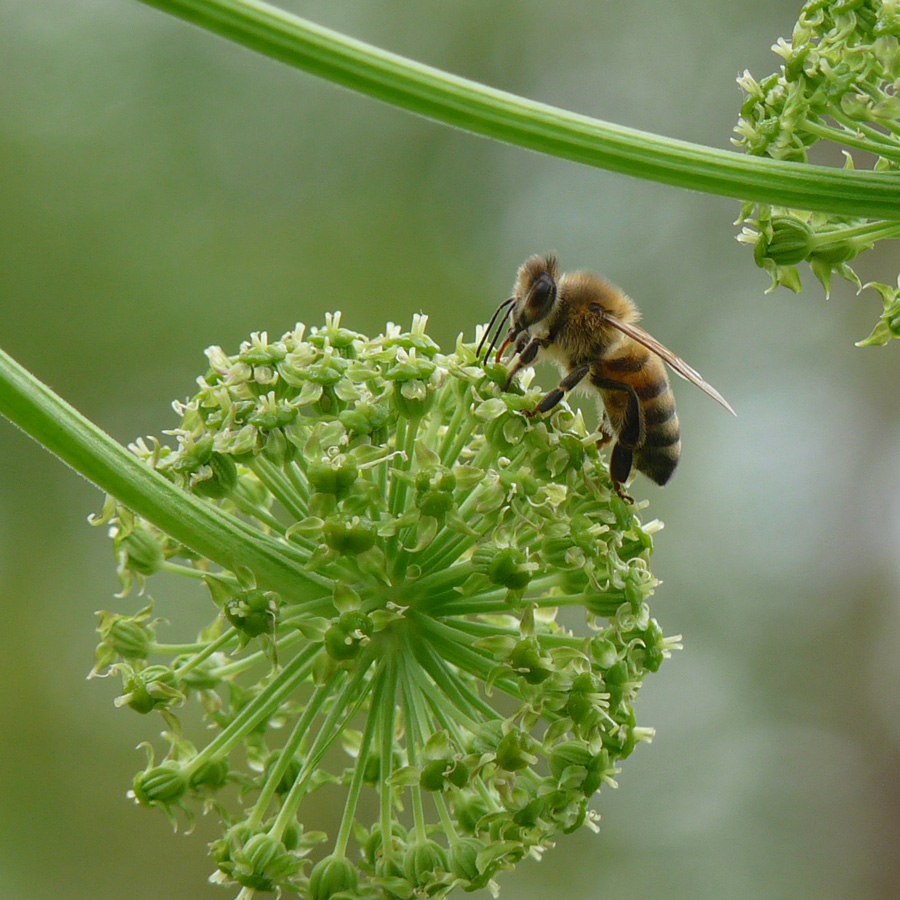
(468, 705)
(62, 430)
(223, 640)
(516, 120)
(412, 717)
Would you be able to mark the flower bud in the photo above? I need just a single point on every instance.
(790, 242)
(470, 810)
(333, 476)
(277, 448)
(264, 863)
(652, 654)
(339, 645)
(366, 417)
(374, 850)
(332, 875)
(344, 639)
(290, 774)
(463, 860)
(424, 862)
(568, 753)
(516, 751)
(218, 478)
(139, 549)
(412, 398)
(598, 768)
(583, 698)
(151, 688)
(433, 774)
(616, 681)
(160, 786)
(506, 566)
(354, 535)
(128, 637)
(252, 611)
(837, 252)
(530, 662)
(213, 774)
(434, 491)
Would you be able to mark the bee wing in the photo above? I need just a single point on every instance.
(678, 365)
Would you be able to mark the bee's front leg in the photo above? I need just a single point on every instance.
(550, 400)
(526, 350)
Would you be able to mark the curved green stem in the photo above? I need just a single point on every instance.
(62, 430)
(516, 120)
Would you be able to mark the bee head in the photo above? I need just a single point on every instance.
(533, 297)
(535, 291)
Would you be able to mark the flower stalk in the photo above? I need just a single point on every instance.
(536, 126)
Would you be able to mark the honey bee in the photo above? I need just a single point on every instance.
(587, 326)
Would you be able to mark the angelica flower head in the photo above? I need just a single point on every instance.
(422, 658)
(838, 83)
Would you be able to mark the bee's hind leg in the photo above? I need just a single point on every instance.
(620, 462)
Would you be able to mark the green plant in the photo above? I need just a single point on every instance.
(838, 85)
(433, 538)
(385, 541)
(387, 545)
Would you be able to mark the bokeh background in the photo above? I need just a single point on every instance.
(162, 190)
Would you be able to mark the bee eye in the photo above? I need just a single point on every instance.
(541, 297)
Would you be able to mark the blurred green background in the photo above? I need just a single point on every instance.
(162, 190)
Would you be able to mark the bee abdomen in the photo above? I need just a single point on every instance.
(658, 456)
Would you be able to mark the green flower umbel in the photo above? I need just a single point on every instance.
(414, 661)
(838, 84)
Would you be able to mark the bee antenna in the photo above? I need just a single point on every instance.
(505, 305)
(500, 325)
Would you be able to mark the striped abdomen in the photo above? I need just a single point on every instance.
(653, 443)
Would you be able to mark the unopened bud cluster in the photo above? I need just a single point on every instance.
(426, 662)
(838, 83)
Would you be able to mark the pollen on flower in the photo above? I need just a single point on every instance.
(437, 542)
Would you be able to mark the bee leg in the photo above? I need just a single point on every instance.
(631, 431)
(620, 461)
(551, 399)
(526, 352)
(629, 437)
